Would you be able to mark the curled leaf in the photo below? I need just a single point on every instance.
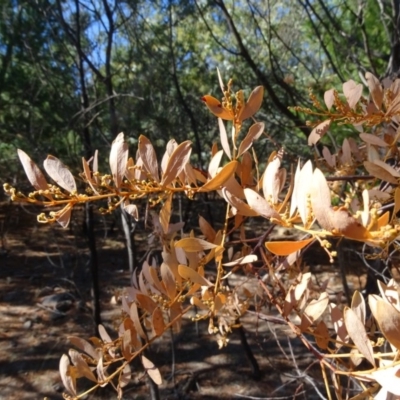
(118, 159)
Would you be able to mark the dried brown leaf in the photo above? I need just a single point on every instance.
(68, 379)
(60, 173)
(193, 276)
(168, 280)
(375, 89)
(329, 98)
(222, 176)
(146, 303)
(382, 171)
(125, 376)
(32, 171)
(284, 248)
(318, 132)
(224, 138)
(352, 91)
(253, 103)
(260, 205)
(165, 213)
(338, 324)
(148, 157)
(81, 365)
(176, 163)
(388, 319)
(358, 334)
(241, 207)
(253, 134)
(158, 322)
(373, 139)
(101, 373)
(118, 159)
(134, 314)
(152, 371)
(192, 245)
(85, 346)
(207, 230)
(358, 306)
(321, 333)
(271, 181)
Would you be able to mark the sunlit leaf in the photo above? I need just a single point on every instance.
(329, 98)
(253, 134)
(81, 365)
(224, 138)
(158, 322)
(358, 334)
(118, 159)
(60, 173)
(193, 276)
(222, 176)
(284, 248)
(152, 371)
(176, 163)
(148, 157)
(352, 92)
(375, 89)
(318, 132)
(68, 380)
(215, 106)
(253, 103)
(32, 171)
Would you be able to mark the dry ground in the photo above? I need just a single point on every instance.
(43, 266)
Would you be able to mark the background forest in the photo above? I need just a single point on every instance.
(73, 74)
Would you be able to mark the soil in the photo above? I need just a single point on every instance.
(45, 297)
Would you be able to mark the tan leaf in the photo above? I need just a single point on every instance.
(321, 333)
(81, 365)
(329, 98)
(146, 303)
(192, 245)
(260, 205)
(271, 181)
(85, 346)
(105, 337)
(241, 207)
(175, 312)
(346, 153)
(148, 157)
(168, 280)
(165, 213)
(88, 175)
(224, 138)
(158, 322)
(253, 103)
(338, 324)
(284, 248)
(170, 148)
(68, 380)
(134, 314)
(101, 373)
(118, 159)
(250, 258)
(125, 377)
(179, 158)
(214, 163)
(358, 334)
(215, 106)
(383, 171)
(207, 230)
(152, 371)
(301, 192)
(32, 171)
(352, 91)
(373, 139)
(222, 176)
(193, 276)
(389, 379)
(63, 216)
(375, 89)
(134, 340)
(318, 132)
(314, 310)
(253, 134)
(388, 319)
(60, 173)
(295, 293)
(246, 175)
(358, 306)
(329, 158)
(126, 345)
(132, 210)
